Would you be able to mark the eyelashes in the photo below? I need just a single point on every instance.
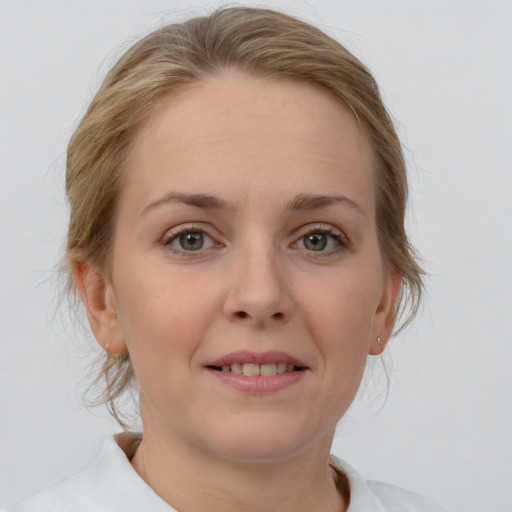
(189, 240)
(320, 239)
(194, 240)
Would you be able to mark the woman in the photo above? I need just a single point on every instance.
(237, 197)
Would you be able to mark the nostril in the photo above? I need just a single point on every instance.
(244, 314)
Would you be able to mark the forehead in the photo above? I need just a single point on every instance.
(236, 127)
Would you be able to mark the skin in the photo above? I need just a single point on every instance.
(256, 145)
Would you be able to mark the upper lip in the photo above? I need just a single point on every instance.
(245, 356)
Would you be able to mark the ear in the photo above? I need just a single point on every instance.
(98, 297)
(384, 319)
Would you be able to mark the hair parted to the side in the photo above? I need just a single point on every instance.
(261, 42)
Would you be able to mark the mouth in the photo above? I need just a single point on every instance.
(257, 370)
(257, 365)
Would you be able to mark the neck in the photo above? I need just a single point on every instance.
(189, 478)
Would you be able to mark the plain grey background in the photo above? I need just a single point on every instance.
(445, 72)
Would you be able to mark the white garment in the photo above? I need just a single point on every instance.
(111, 484)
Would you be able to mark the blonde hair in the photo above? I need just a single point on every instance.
(261, 42)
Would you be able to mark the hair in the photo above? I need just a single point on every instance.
(258, 42)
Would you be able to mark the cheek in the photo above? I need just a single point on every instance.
(344, 305)
(340, 315)
(163, 314)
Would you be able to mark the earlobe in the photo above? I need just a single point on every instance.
(384, 320)
(98, 297)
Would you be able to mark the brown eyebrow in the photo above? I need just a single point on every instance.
(300, 202)
(314, 201)
(204, 201)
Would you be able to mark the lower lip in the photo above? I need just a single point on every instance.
(259, 385)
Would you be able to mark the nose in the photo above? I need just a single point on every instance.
(259, 290)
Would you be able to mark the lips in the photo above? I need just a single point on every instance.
(255, 370)
(267, 364)
(258, 373)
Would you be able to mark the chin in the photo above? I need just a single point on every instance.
(264, 442)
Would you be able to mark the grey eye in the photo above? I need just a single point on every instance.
(192, 241)
(315, 241)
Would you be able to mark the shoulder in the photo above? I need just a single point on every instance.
(110, 484)
(372, 496)
(74, 494)
(396, 499)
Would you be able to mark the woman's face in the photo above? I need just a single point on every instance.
(245, 241)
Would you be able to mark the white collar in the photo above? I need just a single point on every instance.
(113, 465)
(112, 484)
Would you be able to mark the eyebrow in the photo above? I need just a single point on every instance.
(205, 201)
(304, 202)
(301, 202)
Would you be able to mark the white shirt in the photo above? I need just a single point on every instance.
(111, 484)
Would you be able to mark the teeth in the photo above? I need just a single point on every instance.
(254, 370)
(268, 370)
(281, 367)
(236, 368)
(251, 370)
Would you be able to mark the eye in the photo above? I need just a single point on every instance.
(322, 240)
(189, 240)
(315, 241)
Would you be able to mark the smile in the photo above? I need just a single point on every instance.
(257, 370)
(258, 373)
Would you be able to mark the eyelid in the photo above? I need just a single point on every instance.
(173, 233)
(328, 229)
(320, 227)
(190, 227)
